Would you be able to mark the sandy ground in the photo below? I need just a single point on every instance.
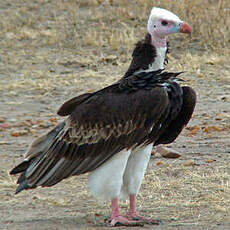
(39, 71)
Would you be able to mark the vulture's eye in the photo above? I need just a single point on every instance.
(164, 23)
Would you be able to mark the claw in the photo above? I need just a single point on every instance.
(119, 220)
(132, 214)
(123, 221)
(143, 219)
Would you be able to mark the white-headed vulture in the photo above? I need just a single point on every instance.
(110, 133)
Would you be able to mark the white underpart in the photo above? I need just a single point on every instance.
(122, 175)
(105, 182)
(135, 170)
(158, 62)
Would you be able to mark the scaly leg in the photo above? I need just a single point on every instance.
(118, 220)
(133, 215)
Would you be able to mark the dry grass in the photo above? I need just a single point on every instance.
(34, 32)
(52, 48)
(201, 193)
(179, 196)
(109, 23)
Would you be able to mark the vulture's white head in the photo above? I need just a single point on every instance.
(162, 22)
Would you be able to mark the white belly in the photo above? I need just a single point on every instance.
(135, 170)
(121, 175)
(105, 182)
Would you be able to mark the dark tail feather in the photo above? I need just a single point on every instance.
(21, 178)
(22, 186)
(35, 152)
(20, 168)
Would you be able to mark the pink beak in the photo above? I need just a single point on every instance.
(185, 28)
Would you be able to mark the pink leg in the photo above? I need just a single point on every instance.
(133, 215)
(119, 220)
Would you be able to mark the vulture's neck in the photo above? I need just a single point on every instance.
(160, 45)
(148, 55)
(159, 60)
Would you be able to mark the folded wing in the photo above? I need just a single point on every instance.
(99, 126)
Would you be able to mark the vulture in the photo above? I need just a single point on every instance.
(110, 133)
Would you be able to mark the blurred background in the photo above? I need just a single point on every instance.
(52, 50)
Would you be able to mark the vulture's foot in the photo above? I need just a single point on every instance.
(132, 214)
(123, 221)
(136, 217)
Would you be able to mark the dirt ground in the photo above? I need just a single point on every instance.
(51, 51)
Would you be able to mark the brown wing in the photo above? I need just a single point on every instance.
(181, 120)
(69, 106)
(101, 126)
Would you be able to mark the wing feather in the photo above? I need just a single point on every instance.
(98, 128)
(180, 121)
